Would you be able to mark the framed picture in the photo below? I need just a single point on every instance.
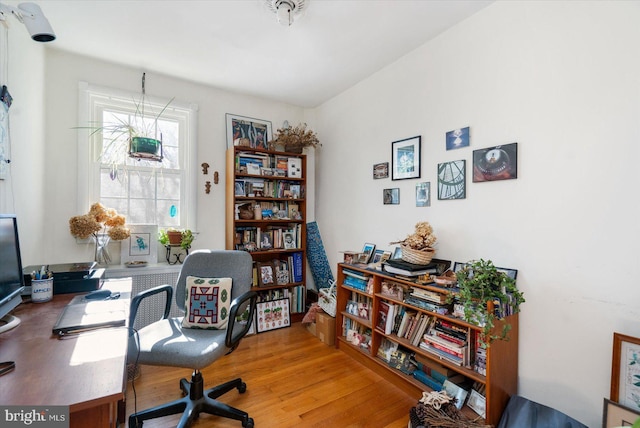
(405, 158)
(451, 180)
(457, 138)
(423, 194)
(141, 247)
(272, 315)
(391, 196)
(495, 163)
(625, 371)
(616, 415)
(368, 250)
(381, 170)
(477, 402)
(377, 256)
(247, 131)
(289, 241)
(266, 274)
(397, 253)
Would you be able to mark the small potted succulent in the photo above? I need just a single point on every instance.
(171, 236)
(481, 286)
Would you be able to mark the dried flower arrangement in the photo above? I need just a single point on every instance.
(418, 247)
(295, 138)
(99, 218)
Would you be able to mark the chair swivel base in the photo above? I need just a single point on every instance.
(196, 401)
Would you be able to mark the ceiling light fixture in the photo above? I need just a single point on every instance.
(287, 10)
(32, 17)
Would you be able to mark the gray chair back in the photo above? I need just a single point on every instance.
(237, 265)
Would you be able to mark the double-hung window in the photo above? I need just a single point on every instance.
(145, 191)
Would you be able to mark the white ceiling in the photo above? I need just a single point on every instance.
(239, 46)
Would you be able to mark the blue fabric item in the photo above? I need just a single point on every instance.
(317, 257)
(521, 412)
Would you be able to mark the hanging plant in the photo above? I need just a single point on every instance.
(481, 285)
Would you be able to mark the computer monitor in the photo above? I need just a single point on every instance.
(11, 277)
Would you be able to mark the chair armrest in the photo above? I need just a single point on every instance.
(232, 340)
(135, 302)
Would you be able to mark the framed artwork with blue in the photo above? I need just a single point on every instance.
(141, 247)
(458, 138)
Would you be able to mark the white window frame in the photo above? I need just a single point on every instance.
(91, 101)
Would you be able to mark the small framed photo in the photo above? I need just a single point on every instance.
(239, 188)
(381, 170)
(423, 194)
(141, 247)
(266, 274)
(616, 415)
(368, 250)
(391, 196)
(477, 403)
(495, 163)
(288, 240)
(405, 158)
(397, 253)
(625, 371)
(248, 131)
(272, 315)
(458, 138)
(377, 256)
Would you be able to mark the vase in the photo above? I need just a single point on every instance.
(102, 256)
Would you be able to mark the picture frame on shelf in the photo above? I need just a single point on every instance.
(405, 158)
(381, 170)
(477, 402)
(457, 138)
(377, 256)
(625, 370)
(367, 252)
(266, 274)
(248, 131)
(495, 163)
(391, 196)
(288, 240)
(272, 315)
(616, 415)
(141, 247)
(423, 194)
(397, 253)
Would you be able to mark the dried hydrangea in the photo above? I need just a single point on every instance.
(421, 238)
(99, 218)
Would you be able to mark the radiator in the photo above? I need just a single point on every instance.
(151, 308)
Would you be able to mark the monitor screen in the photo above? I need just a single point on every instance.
(11, 278)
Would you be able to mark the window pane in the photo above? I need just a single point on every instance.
(164, 213)
(142, 184)
(113, 188)
(142, 211)
(170, 155)
(118, 204)
(168, 186)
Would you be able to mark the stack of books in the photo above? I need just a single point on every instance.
(448, 342)
(355, 279)
(401, 267)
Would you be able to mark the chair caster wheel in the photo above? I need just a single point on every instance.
(242, 389)
(248, 423)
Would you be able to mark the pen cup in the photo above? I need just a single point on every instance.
(41, 290)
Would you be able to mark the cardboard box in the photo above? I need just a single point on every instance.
(311, 328)
(326, 328)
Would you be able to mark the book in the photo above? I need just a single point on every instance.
(297, 267)
(411, 268)
(385, 317)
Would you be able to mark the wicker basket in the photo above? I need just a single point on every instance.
(417, 257)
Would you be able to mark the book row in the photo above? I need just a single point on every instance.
(268, 165)
(255, 238)
(296, 296)
(258, 188)
(278, 271)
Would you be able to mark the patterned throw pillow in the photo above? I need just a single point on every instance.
(207, 303)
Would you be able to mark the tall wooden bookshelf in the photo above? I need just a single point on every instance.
(276, 183)
(500, 380)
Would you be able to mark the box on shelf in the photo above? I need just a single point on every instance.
(326, 328)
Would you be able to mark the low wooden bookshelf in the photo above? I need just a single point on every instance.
(500, 380)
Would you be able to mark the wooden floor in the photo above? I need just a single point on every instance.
(293, 380)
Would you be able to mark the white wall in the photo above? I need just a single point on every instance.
(562, 80)
(65, 70)
(23, 191)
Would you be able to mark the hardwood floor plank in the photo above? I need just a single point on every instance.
(293, 380)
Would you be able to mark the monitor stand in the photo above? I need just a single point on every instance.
(8, 322)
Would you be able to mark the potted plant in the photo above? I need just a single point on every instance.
(482, 288)
(294, 139)
(171, 236)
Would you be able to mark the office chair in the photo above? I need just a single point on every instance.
(167, 343)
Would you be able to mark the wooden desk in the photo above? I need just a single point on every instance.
(86, 372)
